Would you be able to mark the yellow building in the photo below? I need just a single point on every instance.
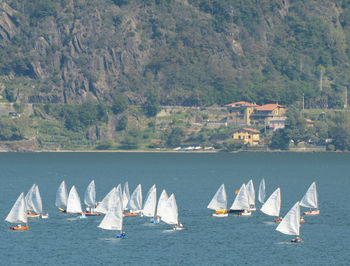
(240, 112)
(248, 135)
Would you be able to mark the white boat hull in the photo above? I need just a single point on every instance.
(219, 214)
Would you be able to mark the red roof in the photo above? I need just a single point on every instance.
(268, 107)
(241, 103)
(251, 130)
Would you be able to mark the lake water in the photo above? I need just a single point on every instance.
(194, 178)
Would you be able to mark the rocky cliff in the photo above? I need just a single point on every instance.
(190, 52)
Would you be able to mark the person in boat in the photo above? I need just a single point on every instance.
(296, 240)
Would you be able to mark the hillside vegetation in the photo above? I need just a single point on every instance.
(87, 74)
(186, 52)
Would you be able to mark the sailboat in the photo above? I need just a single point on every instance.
(126, 195)
(290, 224)
(219, 203)
(135, 202)
(170, 213)
(310, 200)
(272, 206)
(241, 204)
(251, 193)
(161, 205)
(108, 202)
(73, 203)
(34, 203)
(113, 220)
(62, 197)
(18, 214)
(90, 199)
(261, 196)
(149, 207)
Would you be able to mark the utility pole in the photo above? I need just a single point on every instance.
(346, 98)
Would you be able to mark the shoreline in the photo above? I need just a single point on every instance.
(301, 150)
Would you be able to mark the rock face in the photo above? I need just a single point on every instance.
(73, 51)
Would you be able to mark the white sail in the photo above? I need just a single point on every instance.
(62, 196)
(126, 195)
(262, 191)
(149, 208)
(135, 202)
(162, 202)
(33, 200)
(18, 213)
(28, 198)
(272, 206)
(73, 203)
(170, 212)
(90, 195)
(120, 193)
(36, 201)
(108, 201)
(290, 224)
(219, 201)
(310, 198)
(241, 201)
(251, 192)
(113, 220)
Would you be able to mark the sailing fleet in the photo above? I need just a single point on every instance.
(114, 206)
(118, 203)
(244, 204)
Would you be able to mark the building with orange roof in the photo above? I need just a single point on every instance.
(240, 112)
(248, 135)
(268, 110)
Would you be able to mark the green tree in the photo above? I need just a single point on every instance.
(279, 140)
(120, 104)
(122, 123)
(175, 137)
(9, 130)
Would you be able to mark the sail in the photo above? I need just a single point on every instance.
(251, 192)
(120, 193)
(36, 201)
(241, 201)
(310, 198)
(170, 212)
(126, 195)
(162, 202)
(29, 198)
(219, 201)
(135, 202)
(262, 191)
(272, 206)
(149, 208)
(62, 196)
(73, 203)
(113, 220)
(108, 202)
(18, 213)
(290, 224)
(90, 195)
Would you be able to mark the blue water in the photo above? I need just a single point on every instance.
(194, 178)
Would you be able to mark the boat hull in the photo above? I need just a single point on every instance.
(315, 212)
(92, 213)
(33, 215)
(296, 240)
(19, 228)
(219, 214)
(245, 213)
(129, 214)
